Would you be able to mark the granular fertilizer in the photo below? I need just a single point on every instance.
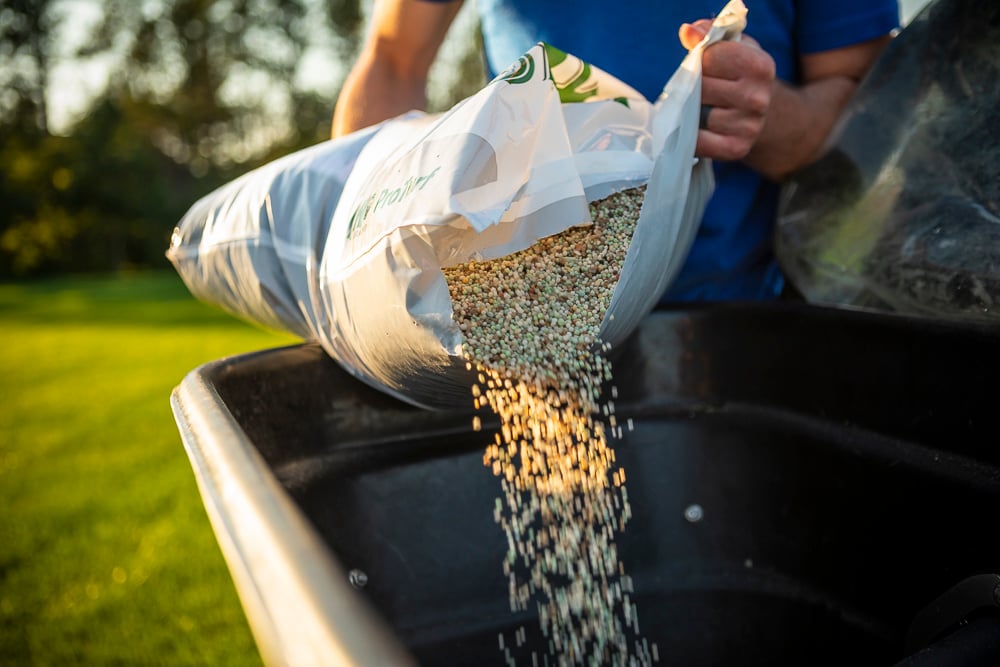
(530, 323)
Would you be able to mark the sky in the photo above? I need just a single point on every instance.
(74, 83)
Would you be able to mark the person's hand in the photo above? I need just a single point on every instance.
(737, 83)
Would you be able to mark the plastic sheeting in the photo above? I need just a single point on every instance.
(903, 211)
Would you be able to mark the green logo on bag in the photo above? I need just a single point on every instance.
(521, 71)
(385, 197)
(575, 80)
(580, 86)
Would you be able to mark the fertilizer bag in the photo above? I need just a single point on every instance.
(344, 243)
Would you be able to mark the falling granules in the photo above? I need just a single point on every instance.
(531, 325)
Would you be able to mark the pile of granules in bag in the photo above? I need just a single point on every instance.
(530, 323)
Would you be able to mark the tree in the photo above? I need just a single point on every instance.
(213, 81)
(203, 90)
(25, 37)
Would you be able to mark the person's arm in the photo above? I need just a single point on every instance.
(772, 126)
(800, 118)
(390, 75)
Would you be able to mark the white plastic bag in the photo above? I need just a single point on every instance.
(344, 242)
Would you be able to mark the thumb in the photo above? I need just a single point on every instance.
(692, 33)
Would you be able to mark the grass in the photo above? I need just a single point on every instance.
(106, 554)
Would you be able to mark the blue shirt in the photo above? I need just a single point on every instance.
(731, 258)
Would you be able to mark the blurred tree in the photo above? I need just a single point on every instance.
(25, 45)
(212, 82)
(100, 199)
(203, 90)
(24, 139)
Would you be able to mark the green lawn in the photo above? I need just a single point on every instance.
(106, 554)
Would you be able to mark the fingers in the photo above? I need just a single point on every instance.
(752, 97)
(737, 82)
(737, 60)
(728, 134)
(692, 33)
